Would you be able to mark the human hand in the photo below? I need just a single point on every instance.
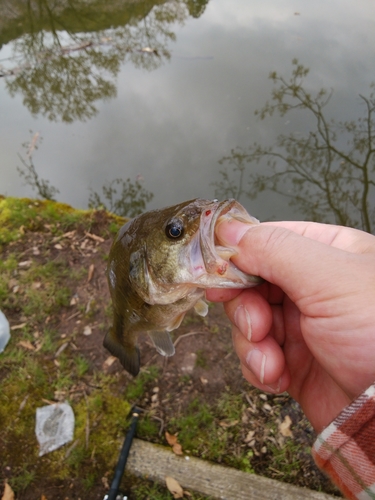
(310, 328)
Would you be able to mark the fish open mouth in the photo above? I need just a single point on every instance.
(217, 258)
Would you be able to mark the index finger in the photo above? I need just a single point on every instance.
(298, 262)
(345, 238)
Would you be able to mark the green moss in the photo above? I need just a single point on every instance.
(194, 425)
(212, 431)
(23, 479)
(37, 296)
(145, 490)
(19, 215)
(114, 227)
(230, 406)
(201, 360)
(7, 268)
(137, 387)
(147, 428)
(81, 365)
(100, 423)
(108, 421)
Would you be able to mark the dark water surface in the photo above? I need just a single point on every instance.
(164, 94)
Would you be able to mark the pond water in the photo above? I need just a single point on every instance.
(163, 93)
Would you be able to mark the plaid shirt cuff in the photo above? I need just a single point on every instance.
(346, 448)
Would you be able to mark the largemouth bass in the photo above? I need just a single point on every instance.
(159, 265)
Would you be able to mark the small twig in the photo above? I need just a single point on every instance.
(48, 401)
(147, 412)
(61, 349)
(275, 470)
(161, 422)
(249, 400)
(151, 360)
(186, 335)
(165, 362)
(25, 252)
(95, 237)
(22, 405)
(71, 448)
(73, 316)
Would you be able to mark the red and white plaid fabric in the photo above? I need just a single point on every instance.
(346, 448)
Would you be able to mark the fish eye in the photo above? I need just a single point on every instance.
(174, 229)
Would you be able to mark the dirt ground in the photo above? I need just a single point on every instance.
(203, 368)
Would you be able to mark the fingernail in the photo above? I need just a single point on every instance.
(230, 232)
(275, 387)
(256, 361)
(243, 321)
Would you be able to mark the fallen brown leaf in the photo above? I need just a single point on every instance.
(38, 345)
(249, 436)
(284, 427)
(171, 439)
(9, 494)
(25, 263)
(69, 234)
(94, 237)
(225, 424)
(105, 482)
(177, 449)
(90, 273)
(174, 487)
(18, 327)
(74, 300)
(12, 283)
(26, 344)
(87, 330)
(109, 362)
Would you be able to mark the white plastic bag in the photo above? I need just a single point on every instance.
(54, 426)
(4, 331)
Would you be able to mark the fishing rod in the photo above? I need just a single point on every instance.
(114, 493)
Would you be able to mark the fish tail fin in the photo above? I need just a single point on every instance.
(129, 357)
(163, 343)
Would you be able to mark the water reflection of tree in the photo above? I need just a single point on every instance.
(65, 87)
(62, 74)
(124, 198)
(196, 7)
(328, 175)
(43, 187)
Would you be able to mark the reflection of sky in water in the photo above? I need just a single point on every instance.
(172, 125)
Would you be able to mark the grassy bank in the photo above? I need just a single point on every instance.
(54, 293)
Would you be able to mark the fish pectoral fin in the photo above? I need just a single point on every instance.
(175, 323)
(163, 343)
(201, 308)
(129, 358)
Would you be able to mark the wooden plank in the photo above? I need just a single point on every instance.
(156, 462)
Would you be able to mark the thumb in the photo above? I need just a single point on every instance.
(297, 264)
